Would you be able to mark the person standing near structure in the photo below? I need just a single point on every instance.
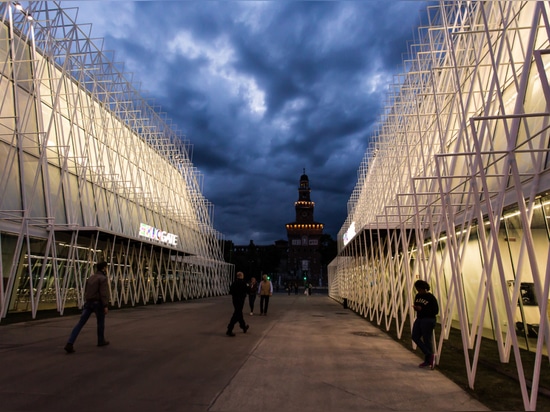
(96, 300)
(427, 308)
(265, 290)
(238, 291)
(252, 292)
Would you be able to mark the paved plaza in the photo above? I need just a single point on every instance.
(307, 354)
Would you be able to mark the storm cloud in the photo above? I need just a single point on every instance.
(263, 90)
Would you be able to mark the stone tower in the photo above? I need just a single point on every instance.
(304, 237)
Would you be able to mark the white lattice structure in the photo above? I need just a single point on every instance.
(454, 188)
(89, 172)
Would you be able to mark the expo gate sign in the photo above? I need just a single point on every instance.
(153, 233)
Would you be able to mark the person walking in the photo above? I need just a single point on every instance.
(252, 292)
(96, 300)
(426, 307)
(265, 290)
(238, 291)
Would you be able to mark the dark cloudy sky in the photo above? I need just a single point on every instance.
(263, 90)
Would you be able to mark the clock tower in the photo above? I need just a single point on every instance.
(304, 237)
(304, 206)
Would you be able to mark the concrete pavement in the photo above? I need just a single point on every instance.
(308, 354)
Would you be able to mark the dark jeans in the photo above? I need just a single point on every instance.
(87, 310)
(422, 333)
(237, 317)
(264, 303)
(251, 300)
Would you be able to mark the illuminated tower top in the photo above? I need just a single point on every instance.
(304, 208)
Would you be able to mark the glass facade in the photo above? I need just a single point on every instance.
(85, 164)
(454, 187)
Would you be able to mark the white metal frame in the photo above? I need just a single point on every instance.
(460, 151)
(85, 160)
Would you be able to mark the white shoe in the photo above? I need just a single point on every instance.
(251, 313)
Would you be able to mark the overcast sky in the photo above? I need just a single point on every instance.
(263, 90)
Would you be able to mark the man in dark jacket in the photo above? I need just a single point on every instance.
(96, 297)
(238, 290)
(427, 308)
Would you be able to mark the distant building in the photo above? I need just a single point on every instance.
(305, 254)
(304, 239)
(256, 260)
(282, 252)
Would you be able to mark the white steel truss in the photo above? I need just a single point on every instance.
(85, 163)
(454, 188)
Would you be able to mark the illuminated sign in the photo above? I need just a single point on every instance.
(350, 233)
(153, 233)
